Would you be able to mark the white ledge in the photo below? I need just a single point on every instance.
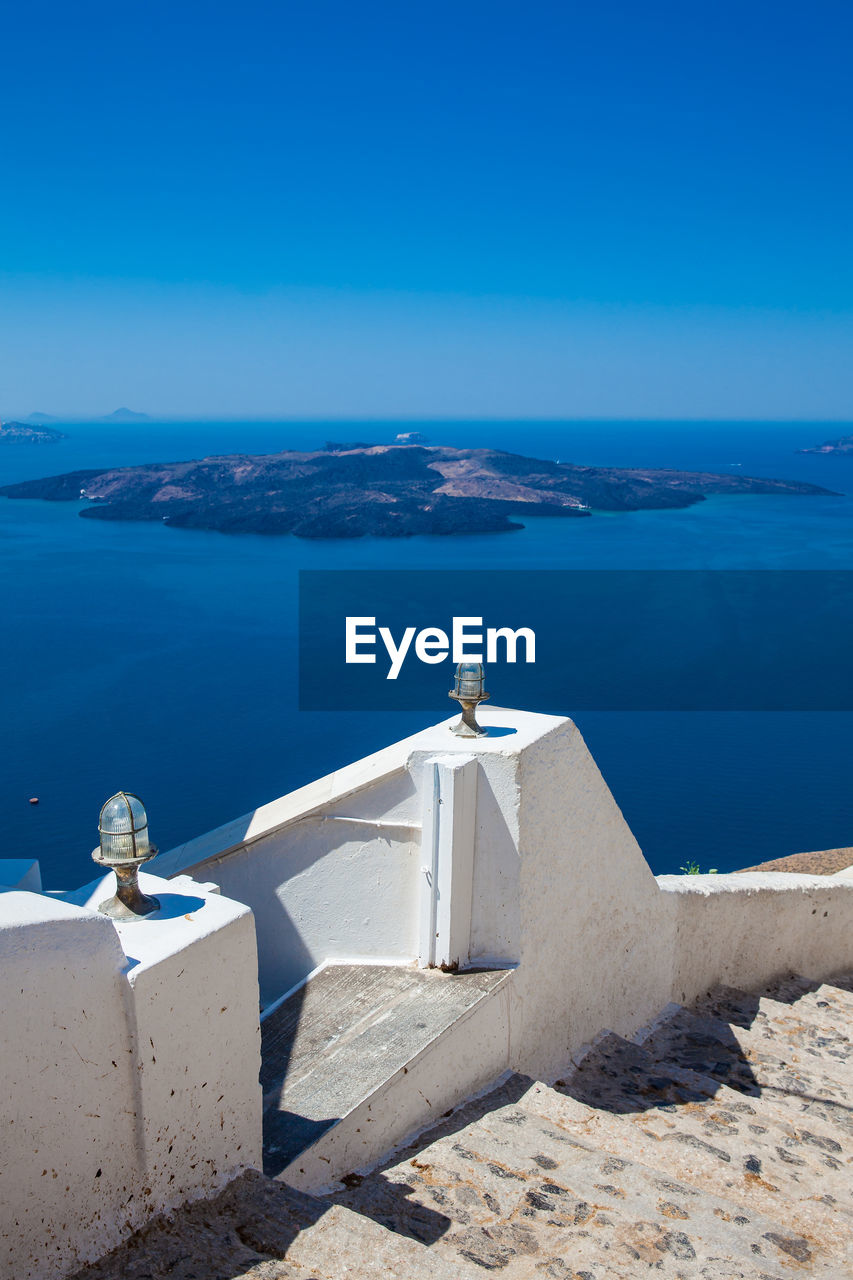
(521, 728)
(748, 882)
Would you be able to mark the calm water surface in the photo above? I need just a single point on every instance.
(163, 661)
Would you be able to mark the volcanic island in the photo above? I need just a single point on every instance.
(844, 444)
(24, 433)
(348, 491)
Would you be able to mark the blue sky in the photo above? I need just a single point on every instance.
(502, 209)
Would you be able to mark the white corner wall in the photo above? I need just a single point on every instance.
(606, 945)
(563, 894)
(555, 886)
(596, 945)
(67, 1114)
(131, 1075)
(196, 1016)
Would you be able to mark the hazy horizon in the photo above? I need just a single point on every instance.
(144, 418)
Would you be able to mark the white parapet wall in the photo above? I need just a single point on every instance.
(130, 1064)
(513, 851)
(330, 871)
(596, 946)
(743, 930)
(67, 1107)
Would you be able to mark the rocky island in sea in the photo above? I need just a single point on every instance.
(25, 433)
(346, 491)
(844, 444)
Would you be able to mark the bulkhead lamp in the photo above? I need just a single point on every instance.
(124, 847)
(469, 690)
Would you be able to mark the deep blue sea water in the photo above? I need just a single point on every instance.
(164, 661)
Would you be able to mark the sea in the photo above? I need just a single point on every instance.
(165, 661)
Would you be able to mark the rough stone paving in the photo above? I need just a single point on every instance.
(827, 862)
(717, 1147)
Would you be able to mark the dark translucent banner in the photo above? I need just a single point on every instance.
(629, 640)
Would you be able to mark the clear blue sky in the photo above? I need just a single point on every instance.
(549, 209)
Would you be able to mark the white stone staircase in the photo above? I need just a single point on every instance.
(718, 1147)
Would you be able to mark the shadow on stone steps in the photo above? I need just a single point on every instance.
(387, 1202)
(252, 1221)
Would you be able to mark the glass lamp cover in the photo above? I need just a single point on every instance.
(469, 679)
(123, 828)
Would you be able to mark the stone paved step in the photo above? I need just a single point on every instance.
(342, 1035)
(756, 1057)
(528, 1197)
(618, 1077)
(806, 1028)
(838, 991)
(719, 1148)
(724, 1145)
(258, 1229)
(834, 1002)
(757, 1064)
(828, 1005)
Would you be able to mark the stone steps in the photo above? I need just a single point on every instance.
(767, 1059)
(343, 1035)
(523, 1191)
(622, 1077)
(722, 1146)
(817, 1026)
(717, 1147)
(838, 993)
(260, 1229)
(778, 1042)
(709, 1149)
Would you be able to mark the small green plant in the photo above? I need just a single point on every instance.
(691, 868)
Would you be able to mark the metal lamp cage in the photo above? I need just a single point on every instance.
(470, 681)
(123, 830)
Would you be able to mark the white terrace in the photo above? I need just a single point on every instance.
(434, 920)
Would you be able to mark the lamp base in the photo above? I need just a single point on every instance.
(467, 727)
(129, 902)
(117, 909)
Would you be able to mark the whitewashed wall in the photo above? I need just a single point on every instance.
(744, 929)
(131, 1066)
(129, 1062)
(330, 872)
(559, 889)
(70, 1157)
(597, 950)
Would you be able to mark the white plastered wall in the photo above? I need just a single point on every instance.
(67, 1109)
(129, 1059)
(560, 889)
(135, 1050)
(330, 871)
(596, 946)
(743, 930)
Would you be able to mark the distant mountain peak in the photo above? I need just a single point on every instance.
(125, 415)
